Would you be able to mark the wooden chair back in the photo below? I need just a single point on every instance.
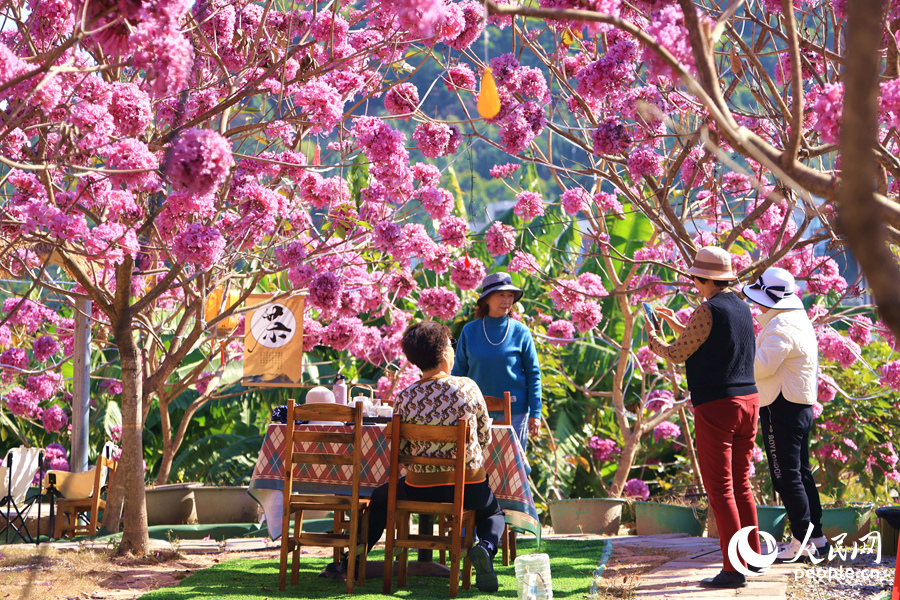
(399, 510)
(495, 404)
(294, 435)
(103, 473)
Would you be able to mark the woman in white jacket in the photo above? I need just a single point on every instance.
(786, 370)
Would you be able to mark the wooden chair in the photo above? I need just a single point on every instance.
(331, 450)
(398, 535)
(495, 404)
(76, 501)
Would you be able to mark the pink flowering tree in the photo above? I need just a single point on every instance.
(662, 126)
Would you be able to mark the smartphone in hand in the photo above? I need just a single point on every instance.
(650, 316)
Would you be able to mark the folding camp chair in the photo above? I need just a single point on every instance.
(17, 473)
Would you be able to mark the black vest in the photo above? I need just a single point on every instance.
(723, 365)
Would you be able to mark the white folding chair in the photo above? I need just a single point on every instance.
(18, 470)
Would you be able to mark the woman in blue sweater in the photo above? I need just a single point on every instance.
(498, 352)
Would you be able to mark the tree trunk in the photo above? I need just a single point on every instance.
(626, 461)
(130, 473)
(858, 214)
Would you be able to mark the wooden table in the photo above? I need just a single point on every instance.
(504, 464)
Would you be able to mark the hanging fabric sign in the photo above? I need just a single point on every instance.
(273, 341)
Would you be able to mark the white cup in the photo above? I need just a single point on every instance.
(385, 411)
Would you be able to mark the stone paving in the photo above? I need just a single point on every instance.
(678, 579)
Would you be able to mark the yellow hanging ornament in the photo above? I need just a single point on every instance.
(214, 306)
(488, 98)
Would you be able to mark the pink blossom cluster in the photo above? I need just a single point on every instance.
(54, 419)
(22, 403)
(586, 314)
(389, 386)
(44, 386)
(561, 333)
(500, 239)
(402, 101)
(523, 261)
(575, 200)
(438, 202)
(860, 330)
(388, 158)
(659, 400)
(829, 111)
(439, 303)
(666, 25)
(199, 245)
(504, 170)
(437, 139)
(322, 104)
(341, 332)
(133, 155)
(520, 126)
(45, 347)
(529, 205)
(467, 273)
(611, 137)
(647, 359)
(199, 162)
(890, 375)
(27, 313)
(604, 448)
(666, 431)
(838, 348)
(826, 388)
(454, 231)
(460, 77)
(635, 489)
(55, 458)
(644, 162)
(604, 77)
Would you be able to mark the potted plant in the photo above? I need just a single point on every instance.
(673, 515)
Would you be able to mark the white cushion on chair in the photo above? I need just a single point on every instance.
(25, 465)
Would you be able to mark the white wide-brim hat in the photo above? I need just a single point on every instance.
(498, 282)
(775, 289)
(712, 263)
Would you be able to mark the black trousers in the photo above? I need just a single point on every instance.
(786, 427)
(489, 519)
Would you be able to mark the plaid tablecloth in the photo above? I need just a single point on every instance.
(504, 465)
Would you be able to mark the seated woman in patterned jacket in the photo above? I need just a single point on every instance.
(440, 399)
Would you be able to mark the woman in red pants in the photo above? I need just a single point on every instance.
(717, 346)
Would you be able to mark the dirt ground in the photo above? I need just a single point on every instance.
(625, 567)
(29, 573)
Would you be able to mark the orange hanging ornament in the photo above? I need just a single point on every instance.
(488, 98)
(467, 262)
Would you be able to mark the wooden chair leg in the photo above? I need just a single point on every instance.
(442, 531)
(467, 563)
(337, 525)
(403, 534)
(455, 555)
(505, 538)
(295, 562)
(512, 545)
(389, 537)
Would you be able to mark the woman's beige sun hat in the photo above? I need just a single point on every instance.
(712, 263)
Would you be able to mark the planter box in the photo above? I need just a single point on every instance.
(586, 515)
(654, 518)
(172, 504)
(852, 519)
(772, 520)
(225, 505)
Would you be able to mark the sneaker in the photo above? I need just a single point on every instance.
(725, 580)
(821, 552)
(483, 561)
(795, 550)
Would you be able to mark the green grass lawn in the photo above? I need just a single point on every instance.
(572, 563)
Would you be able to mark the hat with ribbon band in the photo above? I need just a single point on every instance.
(775, 289)
(498, 282)
(712, 263)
